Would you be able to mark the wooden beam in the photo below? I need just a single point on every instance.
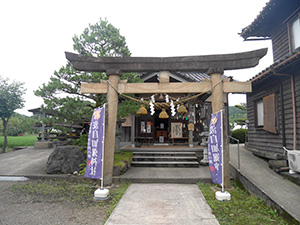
(157, 88)
(94, 88)
(237, 87)
(148, 88)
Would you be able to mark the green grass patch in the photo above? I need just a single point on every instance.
(15, 141)
(120, 159)
(243, 208)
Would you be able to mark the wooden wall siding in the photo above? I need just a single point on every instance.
(258, 138)
(280, 42)
(262, 140)
(288, 112)
(297, 94)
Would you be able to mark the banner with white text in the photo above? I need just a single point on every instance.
(95, 145)
(215, 148)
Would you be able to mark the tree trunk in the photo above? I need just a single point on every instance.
(5, 134)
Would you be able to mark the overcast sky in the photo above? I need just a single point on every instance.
(35, 34)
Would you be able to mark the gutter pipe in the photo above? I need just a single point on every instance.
(294, 107)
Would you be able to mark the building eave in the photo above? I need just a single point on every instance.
(276, 67)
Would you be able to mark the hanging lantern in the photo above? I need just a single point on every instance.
(142, 111)
(163, 114)
(181, 109)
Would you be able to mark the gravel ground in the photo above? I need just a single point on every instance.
(19, 208)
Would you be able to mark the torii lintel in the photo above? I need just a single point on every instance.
(185, 63)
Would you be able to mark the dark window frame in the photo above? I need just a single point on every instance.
(256, 113)
(290, 23)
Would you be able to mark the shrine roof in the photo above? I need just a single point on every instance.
(194, 76)
(38, 111)
(181, 76)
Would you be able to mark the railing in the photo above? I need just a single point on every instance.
(238, 142)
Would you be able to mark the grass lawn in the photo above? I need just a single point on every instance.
(243, 208)
(15, 141)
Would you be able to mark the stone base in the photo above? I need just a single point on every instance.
(42, 145)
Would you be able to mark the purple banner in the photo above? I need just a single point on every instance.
(95, 145)
(215, 148)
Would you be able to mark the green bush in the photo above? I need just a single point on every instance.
(82, 141)
(238, 134)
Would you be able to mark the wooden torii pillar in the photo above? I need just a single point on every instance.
(213, 65)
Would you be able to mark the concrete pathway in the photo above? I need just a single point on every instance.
(255, 174)
(25, 162)
(162, 204)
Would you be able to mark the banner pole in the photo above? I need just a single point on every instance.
(222, 195)
(222, 150)
(102, 164)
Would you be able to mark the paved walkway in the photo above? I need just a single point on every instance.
(174, 204)
(256, 174)
(24, 162)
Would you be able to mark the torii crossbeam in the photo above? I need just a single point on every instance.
(213, 65)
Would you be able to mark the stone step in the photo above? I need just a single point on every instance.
(164, 158)
(164, 164)
(164, 154)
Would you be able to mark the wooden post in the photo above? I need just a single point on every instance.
(191, 125)
(110, 127)
(132, 130)
(217, 105)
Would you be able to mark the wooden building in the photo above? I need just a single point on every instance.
(273, 107)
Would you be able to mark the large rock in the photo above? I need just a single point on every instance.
(64, 159)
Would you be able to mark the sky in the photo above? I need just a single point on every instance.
(35, 34)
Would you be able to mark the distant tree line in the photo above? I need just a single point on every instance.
(237, 115)
(20, 124)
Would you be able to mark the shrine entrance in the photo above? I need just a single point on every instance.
(213, 65)
(162, 131)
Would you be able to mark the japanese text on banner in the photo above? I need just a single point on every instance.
(95, 145)
(215, 148)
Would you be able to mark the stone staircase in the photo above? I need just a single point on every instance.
(164, 159)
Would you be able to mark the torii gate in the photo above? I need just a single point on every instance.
(213, 65)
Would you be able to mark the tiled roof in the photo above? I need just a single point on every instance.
(193, 76)
(274, 10)
(278, 66)
(186, 76)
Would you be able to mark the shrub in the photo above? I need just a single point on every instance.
(82, 141)
(238, 134)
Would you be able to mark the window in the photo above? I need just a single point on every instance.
(266, 113)
(259, 113)
(295, 33)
